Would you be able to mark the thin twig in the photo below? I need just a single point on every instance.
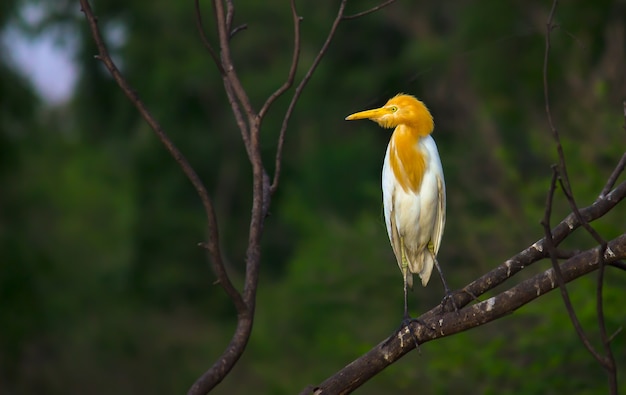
(366, 12)
(298, 92)
(238, 114)
(234, 104)
(230, 15)
(615, 175)
(572, 202)
(227, 61)
(294, 62)
(204, 38)
(238, 29)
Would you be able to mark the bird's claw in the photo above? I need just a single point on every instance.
(449, 296)
(407, 323)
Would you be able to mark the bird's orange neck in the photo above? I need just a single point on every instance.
(407, 161)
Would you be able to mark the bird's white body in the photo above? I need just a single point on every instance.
(417, 217)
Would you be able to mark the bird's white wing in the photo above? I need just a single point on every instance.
(389, 185)
(440, 218)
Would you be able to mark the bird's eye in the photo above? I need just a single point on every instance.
(393, 108)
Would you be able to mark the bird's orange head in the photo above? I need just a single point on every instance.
(400, 110)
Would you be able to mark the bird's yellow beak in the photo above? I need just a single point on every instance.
(369, 114)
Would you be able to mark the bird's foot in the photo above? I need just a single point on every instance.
(408, 324)
(449, 299)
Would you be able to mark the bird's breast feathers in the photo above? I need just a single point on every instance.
(408, 159)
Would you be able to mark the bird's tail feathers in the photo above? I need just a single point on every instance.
(422, 264)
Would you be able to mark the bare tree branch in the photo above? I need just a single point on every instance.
(204, 38)
(235, 92)
(238, 29)
(236, 108)
(366, 12)
(614, 175)
(227, 61)
(230, 15)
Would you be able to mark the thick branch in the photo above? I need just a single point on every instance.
(437, 325)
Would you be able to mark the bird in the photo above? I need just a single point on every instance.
(413, 186)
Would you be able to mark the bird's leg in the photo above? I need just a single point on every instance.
(448, 294)
(405, 273)
(407, 320)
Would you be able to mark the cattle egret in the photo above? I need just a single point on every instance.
(414, 192)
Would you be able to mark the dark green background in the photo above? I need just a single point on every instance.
(104, 291)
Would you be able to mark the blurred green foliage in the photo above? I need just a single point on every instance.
(102, 287)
